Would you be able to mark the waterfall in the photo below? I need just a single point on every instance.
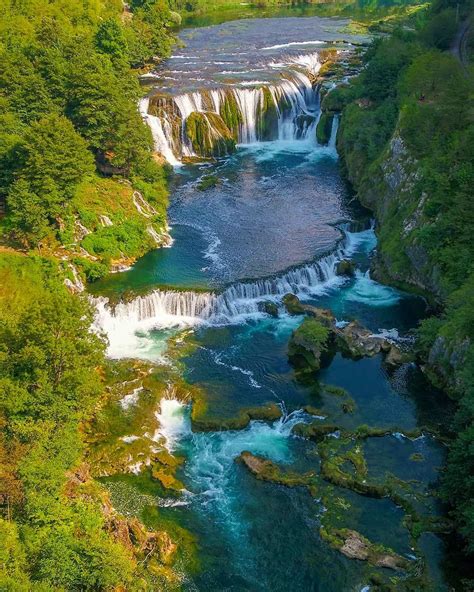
(284, 111)
(161, 132)
(333, 138)
(162, 309)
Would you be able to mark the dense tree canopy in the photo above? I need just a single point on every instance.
(68, 97)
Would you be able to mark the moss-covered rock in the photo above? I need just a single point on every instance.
(266, 470)
(293, 305)
(207, 182)
(308, 348)
(166, 477)
(267, 117)
(231, 115)
(268, 412)
(324, 128)
(356, 341)
(355, 546)
(315, 431)
(208, 134)
(270, 308)
(345, 267)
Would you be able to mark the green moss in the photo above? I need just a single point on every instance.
(417, 457)
(308, 347)
(209, 135)
(202, 423)
(207, 182)
(337, 391)
(267, 117)
(231, 115)
(315, 430)
(313, 331)
(266, 470)
(293, 304)
(324, 128)
(349, 405)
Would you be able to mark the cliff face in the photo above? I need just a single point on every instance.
(394, 188)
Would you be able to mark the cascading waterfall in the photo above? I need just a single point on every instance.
(161, 132)
(162, 309)
(293, 104)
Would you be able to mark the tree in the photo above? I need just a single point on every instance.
(28, 213)
(55, 155)
(110, 39)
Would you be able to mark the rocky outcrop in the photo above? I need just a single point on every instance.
(268, 412)
(355, 546)
(315, 431)
(209, 135)
(271, 309)
(266, 470)
(357, 341)
(345, 267)
(309, 346)
(445, 362)
(316, 340)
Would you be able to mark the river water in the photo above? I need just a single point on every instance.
(278, 220)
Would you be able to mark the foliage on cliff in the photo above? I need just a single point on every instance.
(79, 181)
(407, 140)
(68, 113)
(50, 381)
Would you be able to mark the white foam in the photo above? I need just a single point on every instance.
(367, 291)
(293, 43)
(173, 423)
(131, 399)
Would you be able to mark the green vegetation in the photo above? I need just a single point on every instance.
(209, 134)
(308, 346)
(407, 140)
(69, 117)
(324, 127)
(81, 189)
(50, 382)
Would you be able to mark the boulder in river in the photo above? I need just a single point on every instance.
(309, 346)
(355, 546)
(345, 267)
(270, 308)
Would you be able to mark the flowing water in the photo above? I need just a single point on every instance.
(277, 221)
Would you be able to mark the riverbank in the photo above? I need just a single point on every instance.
(403, 151)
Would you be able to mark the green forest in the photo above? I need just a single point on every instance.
(413, 89)
(74, 148)
(72, 145)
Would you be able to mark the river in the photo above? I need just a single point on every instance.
(276, 218)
